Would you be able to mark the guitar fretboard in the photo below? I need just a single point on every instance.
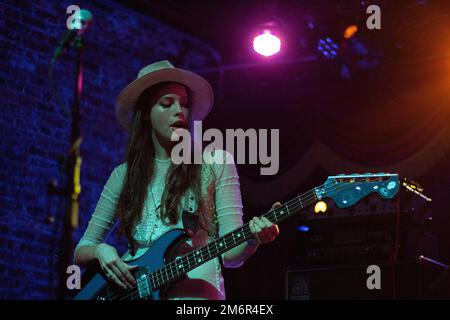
(184, 264)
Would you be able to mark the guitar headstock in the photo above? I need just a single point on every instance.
(347, 190)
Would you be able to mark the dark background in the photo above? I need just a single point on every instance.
(390, 118)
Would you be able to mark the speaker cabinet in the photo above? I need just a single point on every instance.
(407, 280)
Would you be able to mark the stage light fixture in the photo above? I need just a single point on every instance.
(328, 48)
(267, 44)
(350, 31)
(303, 228)
(320, 207)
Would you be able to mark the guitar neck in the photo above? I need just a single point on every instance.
(182, 265)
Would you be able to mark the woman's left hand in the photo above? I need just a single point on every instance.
(264, 230)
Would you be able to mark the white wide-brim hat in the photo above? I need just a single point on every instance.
(201, 98)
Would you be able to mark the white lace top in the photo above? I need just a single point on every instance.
(221, 192)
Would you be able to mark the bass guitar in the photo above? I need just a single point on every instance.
(158, 267)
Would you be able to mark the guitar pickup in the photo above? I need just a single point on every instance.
(143, 283)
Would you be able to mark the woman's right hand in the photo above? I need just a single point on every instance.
(113, 266)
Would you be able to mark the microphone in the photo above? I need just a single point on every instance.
(81, 20)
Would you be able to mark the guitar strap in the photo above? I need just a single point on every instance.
(190, 222)
(190, 218)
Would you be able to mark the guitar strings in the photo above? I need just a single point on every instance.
(287, 204)
(212, 247)
(161, 274)
(191, 259)
(158, 277)
(307, 197)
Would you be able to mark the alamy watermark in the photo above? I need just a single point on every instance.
(258, 147)
(74, 20)
(374, 20)
(374, 280)
(74, 279)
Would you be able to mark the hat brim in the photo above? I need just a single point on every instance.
(201, 99)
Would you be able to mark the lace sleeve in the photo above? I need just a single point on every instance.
(228, 202)
(105, 212)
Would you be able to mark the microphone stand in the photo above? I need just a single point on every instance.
(73, 188)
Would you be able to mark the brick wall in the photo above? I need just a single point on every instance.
(35, 130)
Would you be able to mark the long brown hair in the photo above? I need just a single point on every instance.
(140, 168)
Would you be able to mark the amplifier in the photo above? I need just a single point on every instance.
(366, 231)
(409, 280)
(348, 239)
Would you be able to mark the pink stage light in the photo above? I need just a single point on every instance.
(267, 44)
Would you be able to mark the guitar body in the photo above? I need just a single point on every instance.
(162, 251)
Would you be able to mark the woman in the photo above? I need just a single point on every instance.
(151, 195)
